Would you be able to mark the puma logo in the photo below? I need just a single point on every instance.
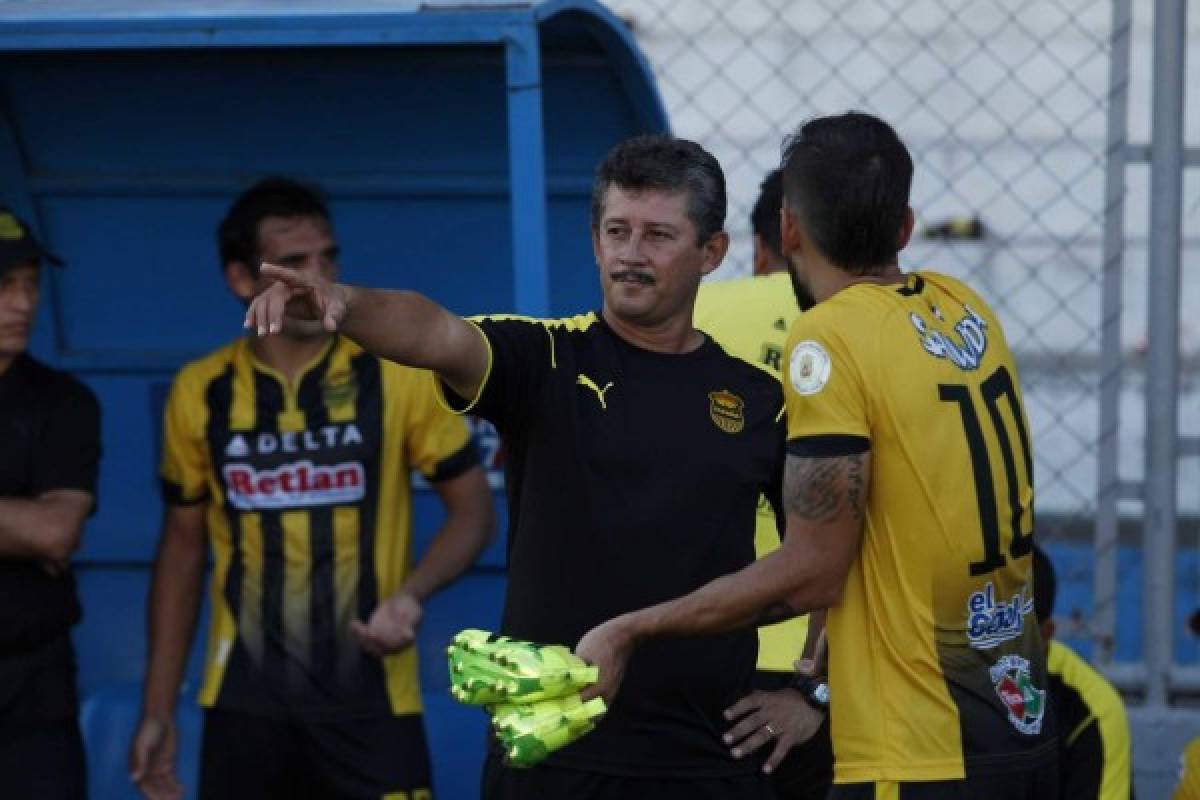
(584, 380)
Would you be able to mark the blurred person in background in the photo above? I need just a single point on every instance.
(750, 318)
(1094, 760)
(1188, 787)
(292, 455)
(49, 457)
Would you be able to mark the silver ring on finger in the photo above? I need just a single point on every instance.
(770, 731)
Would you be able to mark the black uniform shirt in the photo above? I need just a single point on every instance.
(49, 439)
(632, 478)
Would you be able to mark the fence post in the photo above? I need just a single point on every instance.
(1104, 586)
(1162, 378)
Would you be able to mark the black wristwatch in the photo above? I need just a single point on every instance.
(815, 691)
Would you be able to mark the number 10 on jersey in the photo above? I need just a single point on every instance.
(998, 387)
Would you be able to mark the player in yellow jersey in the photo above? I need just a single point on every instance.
(1094, 761)
(292, 457)
(1188, 787)
(750, 318)
(908, 492)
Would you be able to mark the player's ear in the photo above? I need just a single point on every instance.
(906, 229)
(240, 280)
(714, 251)
(790, 235)
(761, 260)
(596, 243)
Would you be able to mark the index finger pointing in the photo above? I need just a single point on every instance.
(273, 271)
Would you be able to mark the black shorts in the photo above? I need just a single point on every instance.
(250, 756)
(806, 773)
(1039, 783)
(555, 783)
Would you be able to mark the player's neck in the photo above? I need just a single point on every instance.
(828, 280)
(773, 267)
(672, 336)
(288, 355)
(6, 361)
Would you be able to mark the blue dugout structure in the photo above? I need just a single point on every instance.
(457, 143)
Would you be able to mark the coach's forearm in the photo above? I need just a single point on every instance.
(396, 325)
(409, 328)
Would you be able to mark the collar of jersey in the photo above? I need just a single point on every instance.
(290, 387)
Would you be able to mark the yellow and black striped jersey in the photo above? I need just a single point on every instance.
(1093, 733)
(308, 516)
(937, 668)
(750, 318)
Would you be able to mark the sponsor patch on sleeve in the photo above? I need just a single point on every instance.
(809, 367)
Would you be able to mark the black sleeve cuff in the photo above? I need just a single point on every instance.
(828, 446)
(455, 465)
(172, 494)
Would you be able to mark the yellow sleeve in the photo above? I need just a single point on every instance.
(436, 441)
(185, 459)
(823, 387)
(1188, 787)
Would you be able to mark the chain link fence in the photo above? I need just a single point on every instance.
(1005, 107)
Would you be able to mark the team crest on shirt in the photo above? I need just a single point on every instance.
(967, 352)
(727, 410)
(809, 367)
(339, 389)
(1025, 702)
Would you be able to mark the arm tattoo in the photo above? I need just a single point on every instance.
(856, 480)
(814, 487)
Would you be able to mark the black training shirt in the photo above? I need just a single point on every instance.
(632, 478)
(49, 439)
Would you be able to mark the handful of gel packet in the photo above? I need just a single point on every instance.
(531, 691)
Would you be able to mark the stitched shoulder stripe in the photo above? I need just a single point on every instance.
(579, 322)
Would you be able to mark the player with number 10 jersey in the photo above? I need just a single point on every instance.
(937, 671)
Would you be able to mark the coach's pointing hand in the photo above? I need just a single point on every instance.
(297, 294)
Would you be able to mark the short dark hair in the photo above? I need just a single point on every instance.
(764, 218)
(237, 235)
(1045, 585)
(848, 177)
(666, 164)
